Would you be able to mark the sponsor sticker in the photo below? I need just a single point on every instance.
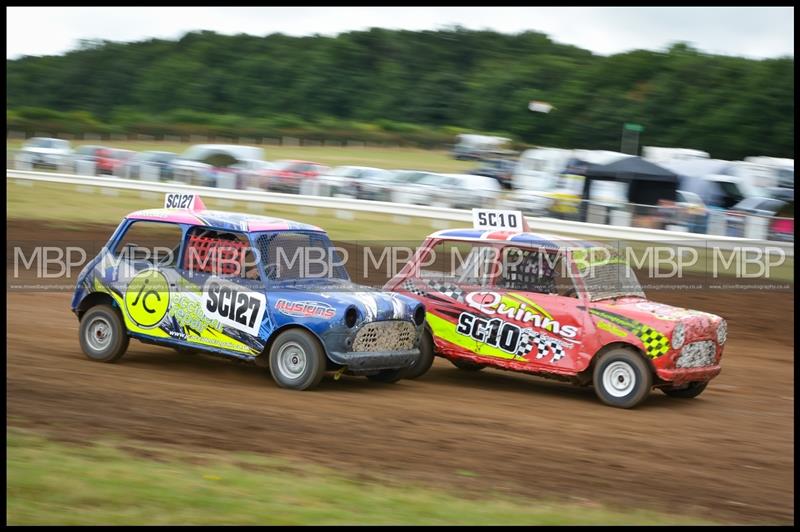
(305, 309)
(147, 298)
(491, 304)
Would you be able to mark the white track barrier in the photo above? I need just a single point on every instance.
(543, 225)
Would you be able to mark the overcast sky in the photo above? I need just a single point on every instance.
(752, 32)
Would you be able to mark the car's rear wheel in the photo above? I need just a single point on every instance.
(622, 378)
(296, 360)
(467, 365)
(425, 360)
(102, 334)
(690, 391)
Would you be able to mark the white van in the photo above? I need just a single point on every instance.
(538, 169)
(766, 171)
(714, 180)
(659, 155)
(470, 146)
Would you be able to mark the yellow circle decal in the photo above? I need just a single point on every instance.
(147, 298)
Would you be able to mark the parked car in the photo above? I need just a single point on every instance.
(375, 185)
(44, 152)
(111, 161)
(215, 165)
(781, 193)
(289, 175)
(158, 162)
(384, 187)
(754, 206)
(85, 157)
(213, 295)
(450, 191)
(345, 180)
(500, 169)
(759, 206)
(254, 176)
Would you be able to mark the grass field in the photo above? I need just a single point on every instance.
(77, 204)
(112, 483)
(388, 158)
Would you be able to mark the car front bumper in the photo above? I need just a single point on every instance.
(678, 376)
(374, 360)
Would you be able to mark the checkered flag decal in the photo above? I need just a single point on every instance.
(655, 343)
(543, 344)
(555, 348)
(449, 290)
(526, 343)
(411, 287)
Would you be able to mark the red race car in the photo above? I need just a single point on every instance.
(500, 296)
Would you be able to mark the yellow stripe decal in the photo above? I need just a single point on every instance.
(530, 303)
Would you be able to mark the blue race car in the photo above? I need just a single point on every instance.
(260, 289)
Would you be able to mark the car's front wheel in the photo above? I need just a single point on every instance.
(622, 378)
(102, 334)
(690, 391)
(425, 360)
(296, 360)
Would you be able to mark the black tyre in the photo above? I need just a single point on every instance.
(296, 360)
(102, 334)
(425, 360)
(388, 375)
(692, 390)
(466, 365)
(622, 378)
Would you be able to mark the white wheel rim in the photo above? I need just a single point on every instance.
(291, 360)
(619, 379)
(98, 333)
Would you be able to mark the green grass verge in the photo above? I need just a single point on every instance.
(79, 204)
(388, 158)
(54, 483)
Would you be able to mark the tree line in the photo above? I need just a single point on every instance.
(419, 86)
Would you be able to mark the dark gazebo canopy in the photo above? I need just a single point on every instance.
(648, 182)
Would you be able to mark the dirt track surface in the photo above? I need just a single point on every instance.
(727, 455)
